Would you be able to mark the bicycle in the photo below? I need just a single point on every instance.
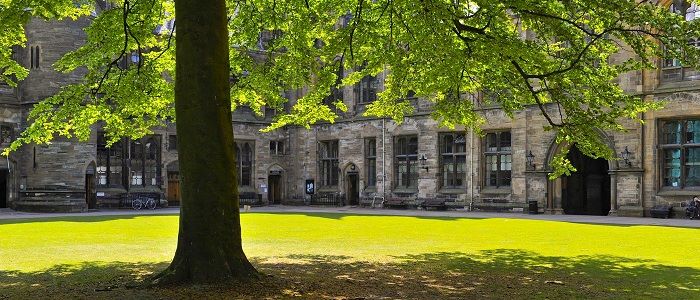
(143, 202)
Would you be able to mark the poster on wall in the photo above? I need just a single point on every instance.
(310, 187)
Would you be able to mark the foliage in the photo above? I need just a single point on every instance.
(559, 56)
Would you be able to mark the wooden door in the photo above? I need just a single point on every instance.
(90, 192)
(173, 195)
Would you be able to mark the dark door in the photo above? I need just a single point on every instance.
(586, 191)
(3, 189)
(90, 192)
(274, 194)
(173, 188)
(353, 191)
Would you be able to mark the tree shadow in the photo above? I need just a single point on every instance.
(82, 218)
(499, 273)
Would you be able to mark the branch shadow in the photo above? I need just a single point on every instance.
(498, 273)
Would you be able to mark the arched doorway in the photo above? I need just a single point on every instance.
(275, 184)
(352, 184)
(586, 191)
(173, 193)
(90, 186)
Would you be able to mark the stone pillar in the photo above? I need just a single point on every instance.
(613, 193)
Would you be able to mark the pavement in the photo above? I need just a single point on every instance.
(8, 214)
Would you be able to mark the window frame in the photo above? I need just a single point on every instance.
(149, 168)
(498, 153)
(370, 146)
(328, 163)
(682, 145)
(455, 155)
(275, 150)
(246, 166)
(403, 153)
(109, 154)
(671, 69)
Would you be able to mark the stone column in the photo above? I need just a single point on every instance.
(613, 193)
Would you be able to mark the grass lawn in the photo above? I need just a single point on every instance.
(358, 257)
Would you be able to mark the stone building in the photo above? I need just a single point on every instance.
(357, 157)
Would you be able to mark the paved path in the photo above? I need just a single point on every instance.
(10, 214)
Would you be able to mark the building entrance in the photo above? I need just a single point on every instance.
(353, 189)
(587, 191)
(274, 195)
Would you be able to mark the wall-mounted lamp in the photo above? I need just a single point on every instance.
(530, 160)
(626, 156)
(424, 162)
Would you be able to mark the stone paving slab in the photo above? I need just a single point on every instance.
(6, 214)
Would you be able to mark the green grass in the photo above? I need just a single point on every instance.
(523, 255)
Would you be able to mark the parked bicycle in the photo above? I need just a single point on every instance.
(143, 202)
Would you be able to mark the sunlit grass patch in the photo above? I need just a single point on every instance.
(378, 255)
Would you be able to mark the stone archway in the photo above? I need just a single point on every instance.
(586, 191)
(590, 191)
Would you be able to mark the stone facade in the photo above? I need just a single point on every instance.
(63, 176)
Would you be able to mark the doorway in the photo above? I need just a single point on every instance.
(353, 189)
(274, 195)
(586, 191)
(90, 191)
(173, 195)
(3, 188)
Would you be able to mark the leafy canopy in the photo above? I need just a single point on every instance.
(555, 55)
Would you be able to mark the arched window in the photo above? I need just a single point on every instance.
(244, 162)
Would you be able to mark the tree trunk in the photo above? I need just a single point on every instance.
(209, 242)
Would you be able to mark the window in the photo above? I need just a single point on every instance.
(6, 134)
(145, 161)
(371, 161)
(498, 159)
(277, 147)
(367, 88)
(406, 161)
(336, 93)
(172, 142)
(110, 163)
(244, 162)
(453, 159)
(328, 156)
(680, 153)
(671, 68)
(34, 57)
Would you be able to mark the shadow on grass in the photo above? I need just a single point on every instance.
(497, 274)
(83, 218)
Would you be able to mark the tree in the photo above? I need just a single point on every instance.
(555, 55)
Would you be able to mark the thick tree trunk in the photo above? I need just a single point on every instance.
(209, 243)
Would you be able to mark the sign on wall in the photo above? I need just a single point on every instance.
(310, 186)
